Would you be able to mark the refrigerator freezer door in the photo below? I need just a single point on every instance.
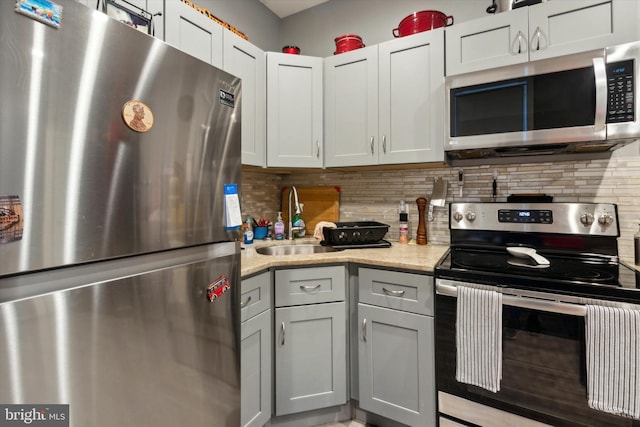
(139, 349)
(90, 186)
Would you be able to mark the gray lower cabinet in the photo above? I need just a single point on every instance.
(256, 339)
(310, 339)
(396, 368)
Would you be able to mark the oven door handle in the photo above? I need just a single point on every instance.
(525, 302)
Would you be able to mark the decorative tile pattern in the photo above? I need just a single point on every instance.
(375, 195)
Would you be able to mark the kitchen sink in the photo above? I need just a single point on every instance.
(300, 249)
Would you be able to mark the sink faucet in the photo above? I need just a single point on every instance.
(293, 191)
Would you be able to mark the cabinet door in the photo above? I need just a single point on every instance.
(570, 26)
(193, 32)
(311, 357)
(255, 368)
(411, 99)
(351, 108)
(396, 365)
(488, 42)
(294, 110)
(248, 62)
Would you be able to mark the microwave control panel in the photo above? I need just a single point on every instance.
(620, 92)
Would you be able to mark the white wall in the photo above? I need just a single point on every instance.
(261, 26)
(314, 30)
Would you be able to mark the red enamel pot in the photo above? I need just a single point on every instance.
(348, 42)
(294, 50)
(421, 21)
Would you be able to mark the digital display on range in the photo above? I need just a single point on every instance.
(533, 216)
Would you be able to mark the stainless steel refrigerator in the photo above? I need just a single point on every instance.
(119, 280)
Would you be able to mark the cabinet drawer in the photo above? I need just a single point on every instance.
(309, 285)
(400, 291)
(256, 295)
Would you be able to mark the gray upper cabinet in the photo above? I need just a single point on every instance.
(248, 62)
(294, 111)
(193, 32)
(384, 104)
(540, 31)
(351, 108)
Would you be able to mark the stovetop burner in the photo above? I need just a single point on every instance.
(559, 268)
(579, 240)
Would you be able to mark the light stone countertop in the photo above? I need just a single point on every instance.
(409, 256)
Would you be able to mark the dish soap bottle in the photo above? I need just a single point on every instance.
(248, 232)
(278, 228)
(299, 222)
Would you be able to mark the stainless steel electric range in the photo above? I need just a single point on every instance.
(548, 260)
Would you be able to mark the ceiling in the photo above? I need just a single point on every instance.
(284, 8)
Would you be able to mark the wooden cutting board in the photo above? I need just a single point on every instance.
(320, 204)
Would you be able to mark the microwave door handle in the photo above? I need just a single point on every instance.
(600, 73)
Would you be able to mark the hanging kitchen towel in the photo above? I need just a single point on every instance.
(479, 338)
(613, 368)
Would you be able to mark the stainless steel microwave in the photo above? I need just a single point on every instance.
(580, 103)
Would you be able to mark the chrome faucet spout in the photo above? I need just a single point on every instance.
(291, 228)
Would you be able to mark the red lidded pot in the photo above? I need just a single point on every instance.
(348, 42)
(295, 50)
(421, 21)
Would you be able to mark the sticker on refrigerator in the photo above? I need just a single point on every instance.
(218, 287)
(137, 116)
(44, 11)
(11, 219)
(227, 98)
(232, 215)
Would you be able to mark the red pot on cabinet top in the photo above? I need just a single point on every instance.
(421, 21)
(348, 42)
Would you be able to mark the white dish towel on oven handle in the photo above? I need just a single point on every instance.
(479, 338)
(613, 364)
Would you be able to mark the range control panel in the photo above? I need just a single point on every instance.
(529, 216)
(595, 219)
(620, 92)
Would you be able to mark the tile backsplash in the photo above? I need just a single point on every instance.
(375, 195)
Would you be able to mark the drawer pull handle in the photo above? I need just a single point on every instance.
(283, 330)
(392, 292)
(364, 329)
(309, 287)
(243, 304)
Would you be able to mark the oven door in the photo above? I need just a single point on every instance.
(543, 365)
